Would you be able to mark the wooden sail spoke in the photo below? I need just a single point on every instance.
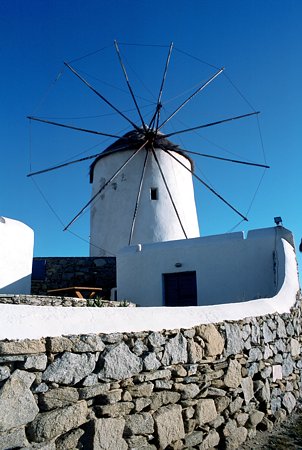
(71, 127)
(138, 197)
(211, 124)
(208, 187)
(100, 95)
(104, 186)
(60, 166)
(203, 86)
(220, 158)
(128, 84)
(156, 116)
(169, 192)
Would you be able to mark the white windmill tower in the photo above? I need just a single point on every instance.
(142, 189)
(151, 198)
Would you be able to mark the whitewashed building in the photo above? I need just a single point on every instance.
(16, 256)
(212, 270)
(143, 210)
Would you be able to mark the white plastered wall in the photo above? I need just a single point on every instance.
(229, 267)
(156, 221)
(16, 255)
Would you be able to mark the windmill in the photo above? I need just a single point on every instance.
(142, 184)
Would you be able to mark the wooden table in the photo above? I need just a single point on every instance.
(76, 291)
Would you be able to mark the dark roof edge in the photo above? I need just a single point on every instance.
(132, 141)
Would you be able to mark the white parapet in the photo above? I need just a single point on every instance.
(16, 255)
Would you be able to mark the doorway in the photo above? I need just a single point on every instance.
(180, 289)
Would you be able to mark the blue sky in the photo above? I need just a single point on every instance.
(258, 43)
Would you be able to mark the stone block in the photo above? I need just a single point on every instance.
(93, 391)
(70, 368)
(111, 397)
(235, 342)
(264, 395)
(255, 354)
(4, 373)
(108, 434)
(187, 391)
(87, 343)
(211, 441)
(205, 411)
(76, 344)
(195, 352)
(175, 351)
(256, 333)
(156, 339)
(90, 380)
(163, 384)
(268, 335)
(235, 405)
(281, 330)
(194, 438)
(230, 427)
(157, 375)
(159, 399)
(139, 424)
(289, 402)
(17, 403)
(242, 418)
(169, 425)
(139, 348)
(137, 442)
(255, 418)
(141, 390)
(58, 398)
(13, 439)
(222, 403)
(69, 441)
(236, 438)
(151, 362)
(116, 410)
(248, 389)
(142, 403)
(213, 339)
(112, 338)
(51, 424)
(24, 347)
(232, 378)
(120, 363)
(288, 366)
(216, 392)
(36, 362)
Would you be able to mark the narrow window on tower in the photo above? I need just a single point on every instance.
(154, 194)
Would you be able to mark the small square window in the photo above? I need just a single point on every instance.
(154, 194)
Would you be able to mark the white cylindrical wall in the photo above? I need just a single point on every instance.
(156, 220)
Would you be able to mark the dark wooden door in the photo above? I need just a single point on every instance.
(180, 289)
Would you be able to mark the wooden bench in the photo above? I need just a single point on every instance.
(76, 291)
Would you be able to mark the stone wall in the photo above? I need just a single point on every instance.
(61, 272)
(46, 300)
(211, 386)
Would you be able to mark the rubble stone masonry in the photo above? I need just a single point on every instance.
(212, 386)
